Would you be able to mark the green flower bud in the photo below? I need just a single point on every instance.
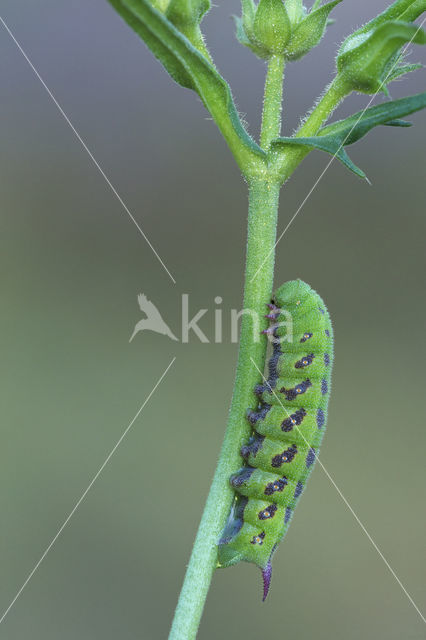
(309, 32)
(366, 59)
(271, 27)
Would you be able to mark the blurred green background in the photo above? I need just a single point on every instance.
(72, 265)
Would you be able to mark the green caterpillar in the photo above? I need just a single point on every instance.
(288, 426)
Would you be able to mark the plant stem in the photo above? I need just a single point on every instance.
(336, 92)
(262, 223)
(272, 103)
(261, 236)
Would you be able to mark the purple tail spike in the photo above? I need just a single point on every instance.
(271, 316)
(272, 307)
(266, 575)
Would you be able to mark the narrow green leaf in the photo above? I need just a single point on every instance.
(402, 70)
(160, 51)
(192, 70)
(398, 123)
(334, 137)
(404, 10)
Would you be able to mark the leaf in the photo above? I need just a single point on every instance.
(334, 137)
(160, 51)
(402, 70)
(191, 69)
(404, 10)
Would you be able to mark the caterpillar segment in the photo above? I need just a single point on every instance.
(288, 426)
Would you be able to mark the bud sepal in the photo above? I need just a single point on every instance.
(309, 32)
(271, 26)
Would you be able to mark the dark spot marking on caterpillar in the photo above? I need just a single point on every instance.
(277, 485)
(284, 457)
(259, 389)
(295, 419)
(302, 387)
(260, 414)
(310, 458)
(265, 388)
(258, 539)
(321, 310)
(326, 359)
(327, 333)
(242, 476)
(268, 513)
(320, 418)
(306, 336)
(272, 366)
(304, 362)
(253, 447)
(299, 489)
(324, 387)
(288, 514)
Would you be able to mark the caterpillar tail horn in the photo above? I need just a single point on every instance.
(266, 575)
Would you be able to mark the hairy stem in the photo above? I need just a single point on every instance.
(262, 223)
(286, 164)
(261, 236)
(272, 102)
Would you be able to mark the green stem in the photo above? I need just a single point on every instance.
(262, 223)
(261, 236)
(284, 165)
(272, 103)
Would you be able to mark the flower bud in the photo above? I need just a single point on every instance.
(365, 59)
(271, 27)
